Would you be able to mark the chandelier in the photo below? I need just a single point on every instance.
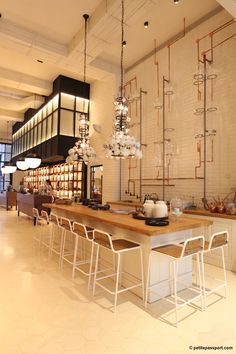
(120, 145)
(82, 148)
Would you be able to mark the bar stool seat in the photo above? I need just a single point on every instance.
(175, 253)
(117, 248)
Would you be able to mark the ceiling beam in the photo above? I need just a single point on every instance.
(28, 38)
(17, 80)
(11, 116)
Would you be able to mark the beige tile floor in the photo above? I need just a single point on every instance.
(42, 311)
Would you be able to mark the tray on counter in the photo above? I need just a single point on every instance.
(121, 212)
(157, 221)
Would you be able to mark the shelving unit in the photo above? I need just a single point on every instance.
(67, 179)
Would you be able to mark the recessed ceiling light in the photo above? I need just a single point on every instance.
(40, 61)
(146, 24)
(176, 2)
(123, 43)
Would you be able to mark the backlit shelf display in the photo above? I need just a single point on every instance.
(66, 179)
(60, 116)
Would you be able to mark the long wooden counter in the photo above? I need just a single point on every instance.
(127, 222)
(124, 226)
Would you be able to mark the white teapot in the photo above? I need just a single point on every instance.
(160, 210)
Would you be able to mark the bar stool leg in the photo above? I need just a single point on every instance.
(200, 281)
(74, 258)
(224, 270)
(171, 280)
(175, 273)
(117, 280)
(91, 265)
(148, 279)
(62, 247)
(203, 281)
(52, 238)
(95, 271)
(142, 273)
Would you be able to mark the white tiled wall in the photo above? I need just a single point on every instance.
(221, 174)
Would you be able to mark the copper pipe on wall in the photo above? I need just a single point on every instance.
(156, 63)
(128, 87)
(218, 44)
(211, 50)
(169, 56)
(130, 180)
(201, 161)
(142, 92)
(211, 34)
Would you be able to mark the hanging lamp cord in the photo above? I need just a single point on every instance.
(122, 49)
(86, 17)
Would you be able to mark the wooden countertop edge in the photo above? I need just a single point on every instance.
(101, 216)
(208, 213)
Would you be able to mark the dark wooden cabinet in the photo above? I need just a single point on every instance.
(26, 202)
(8, 199)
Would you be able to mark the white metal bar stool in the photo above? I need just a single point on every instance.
(81, 259)
(116, 247)
(83, 253)
(39, 221)
(218, 241)
(58, 232)
(175, 253)
(67, 240)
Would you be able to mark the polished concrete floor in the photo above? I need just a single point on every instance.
(43, 311)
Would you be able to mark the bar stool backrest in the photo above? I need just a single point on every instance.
(44, 216)
(103, 239)
(81, 230)
(192, 246)
(66, 223)
(219, 239)
(54, 219)
(35, 213)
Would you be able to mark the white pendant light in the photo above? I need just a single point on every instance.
(21, 164)
(3, 170)
(8, 168)
(32, 160)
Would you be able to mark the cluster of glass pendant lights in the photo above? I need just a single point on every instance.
(120, 144)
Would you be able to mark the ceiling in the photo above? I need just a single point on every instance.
(54, 35)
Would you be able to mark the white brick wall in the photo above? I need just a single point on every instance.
(221, 174)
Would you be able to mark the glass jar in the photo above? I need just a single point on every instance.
(176, 208)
